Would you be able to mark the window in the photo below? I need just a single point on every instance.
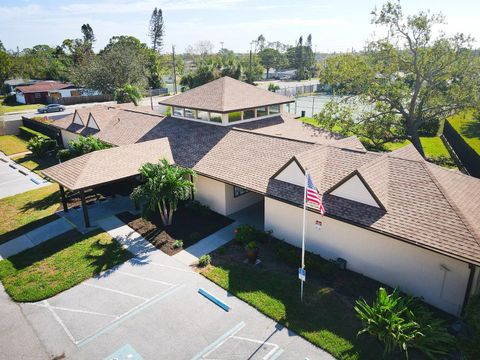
(202, 115)
(238, 191)
(38, 95)
(248, 114)
(216, 117)
(189, 113)
(177, 111)
(234, 116)
(274, 109)
(262, 111)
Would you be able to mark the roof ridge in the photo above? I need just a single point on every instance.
(451, 203)
(272, 136)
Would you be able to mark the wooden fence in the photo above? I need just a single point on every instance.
(469, 157)
(72, 100)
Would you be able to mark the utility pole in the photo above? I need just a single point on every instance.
(221, 44)
(174, 70)
(250, 77)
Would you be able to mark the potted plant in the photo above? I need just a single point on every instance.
(252, 252)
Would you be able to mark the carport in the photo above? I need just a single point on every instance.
(103, 168)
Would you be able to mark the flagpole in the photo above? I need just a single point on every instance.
(303, 230)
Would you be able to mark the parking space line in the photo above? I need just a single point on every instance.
(276, 355)
(136, 260)
(114, 291)
(275, 346)
(144, 278)
(217, 343)
(73, 310)
(57, 318)
(135, 310)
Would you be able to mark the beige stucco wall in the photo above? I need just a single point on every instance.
(67, 136)
(10, 127)
(415, 270)
(234, 204)
(219, 196)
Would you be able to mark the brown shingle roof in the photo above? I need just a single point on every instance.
(43, 86)
(225, 95)
(426, 205)
(103, 166)
(118, 126)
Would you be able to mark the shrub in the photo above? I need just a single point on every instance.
(292, 256)
(273, 87)
(178, 244)
(204, 260)
(197, 207)
(245, 234)
(402, 322)
(442, 160)
(471, 346)
(252, 245)
(81, 146)
(10, 100)
(39, 145)
(195, 236)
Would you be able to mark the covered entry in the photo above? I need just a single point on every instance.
(104, 169)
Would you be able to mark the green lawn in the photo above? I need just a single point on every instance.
(468, 126)
(58, 264)
(12, 144)
(324, 318)
(433, 146)
(36, 164)
(26, 211)
(14, 108)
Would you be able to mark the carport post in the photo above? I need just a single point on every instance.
(64, 199)
(84, 208)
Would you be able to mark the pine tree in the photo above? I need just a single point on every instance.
(156, 29)
(88, 36)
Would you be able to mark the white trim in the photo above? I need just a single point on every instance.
(77, 119)
(94, 125)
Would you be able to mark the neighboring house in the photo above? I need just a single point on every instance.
(11, 85)
(38, 92)
(392, 216)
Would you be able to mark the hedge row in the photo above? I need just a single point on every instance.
(28, 133)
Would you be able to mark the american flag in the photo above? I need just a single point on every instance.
(313, 195)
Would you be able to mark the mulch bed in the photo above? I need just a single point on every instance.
(188, 226)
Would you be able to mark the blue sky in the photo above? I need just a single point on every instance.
(336, 25)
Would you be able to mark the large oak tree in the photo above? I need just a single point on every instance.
(402, 81)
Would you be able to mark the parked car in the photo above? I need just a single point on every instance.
(51, 108)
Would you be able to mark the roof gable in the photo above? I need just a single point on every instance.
(92, 124)
(291, 173)
(355, 188)
(77, 119)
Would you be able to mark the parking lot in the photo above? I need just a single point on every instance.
(15, 179)
(150, 308)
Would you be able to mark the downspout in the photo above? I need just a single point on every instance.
(469, 287)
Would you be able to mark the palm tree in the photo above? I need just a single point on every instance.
(165, 185)
(128, 93)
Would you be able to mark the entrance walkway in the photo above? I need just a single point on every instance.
(34, 237)
(253, 215)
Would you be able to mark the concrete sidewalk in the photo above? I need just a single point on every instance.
(252, 215)
(34, 237)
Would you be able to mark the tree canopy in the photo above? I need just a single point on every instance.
(401, 82)
(156, 29)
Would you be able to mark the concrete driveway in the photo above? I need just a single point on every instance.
(150, 308)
